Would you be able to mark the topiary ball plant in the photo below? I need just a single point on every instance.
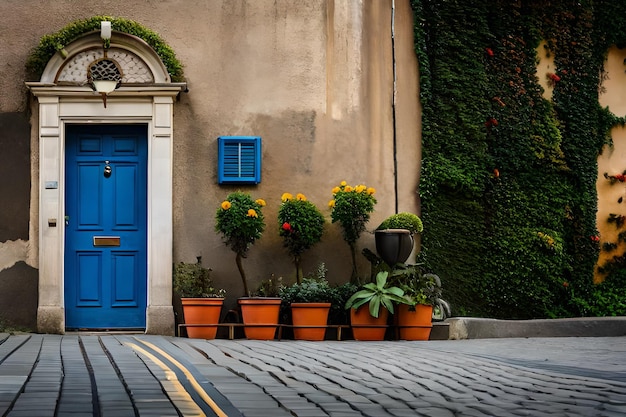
(408, 221)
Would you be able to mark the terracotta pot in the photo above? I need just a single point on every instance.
(394, 245)
(262, 311)
(310, 314)
(414, 325)
(202, 311)
(365, 326)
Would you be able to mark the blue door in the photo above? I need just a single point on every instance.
(105, 232)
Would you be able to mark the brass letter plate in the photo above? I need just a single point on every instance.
(106, 240)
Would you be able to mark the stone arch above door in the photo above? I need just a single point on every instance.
(146, 95)
(138, 61)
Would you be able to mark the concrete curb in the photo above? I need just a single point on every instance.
(481, 328)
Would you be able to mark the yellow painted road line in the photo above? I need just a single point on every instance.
(170, 376)
(206, 397)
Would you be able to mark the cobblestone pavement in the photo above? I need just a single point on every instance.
(138, 375)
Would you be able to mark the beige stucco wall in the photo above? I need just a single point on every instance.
(314, 78)
(612, 160)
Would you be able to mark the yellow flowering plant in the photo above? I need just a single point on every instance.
(351, 208)
(240, 221)
(301, 226)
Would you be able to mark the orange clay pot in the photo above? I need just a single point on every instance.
(309, 314)
(202, 311)
(260, 311)
(365, 326)
(414, 325)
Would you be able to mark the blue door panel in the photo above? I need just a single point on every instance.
(125, 202)
(89, 198)
(106, 231)
(87, 291)
(124, 289)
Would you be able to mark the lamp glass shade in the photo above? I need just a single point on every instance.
(105, 30)
(104, 86)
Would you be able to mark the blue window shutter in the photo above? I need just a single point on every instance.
(239, 159)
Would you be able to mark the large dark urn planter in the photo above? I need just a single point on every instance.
(394, 245)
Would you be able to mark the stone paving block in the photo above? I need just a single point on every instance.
(435, 412)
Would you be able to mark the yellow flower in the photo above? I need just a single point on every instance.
(252, 213)
(343, 183)
(225, 205)
(371, 191)
(336, 190)
(260, 202)
(360, 188)
(300, 197)
(286, 197)
(347, 189)
(331, 204)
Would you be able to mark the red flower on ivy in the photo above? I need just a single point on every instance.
(496, 173)
(553, 79)
(617, 177)
(565, 284)
(491, 122)
(595, 238)
(489, 51)
(287, 227)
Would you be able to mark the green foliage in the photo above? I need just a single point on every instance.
(377, 294)
(194, 281)
(407, 221)
(310, 290)
(240, 221)
(301, 226)
(351, 207)
(269, 287)
(508, 178)
(419, 287)
(50, 44)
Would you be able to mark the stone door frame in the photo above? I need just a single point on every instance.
(59, 104)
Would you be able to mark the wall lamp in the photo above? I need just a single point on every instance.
(104, 74)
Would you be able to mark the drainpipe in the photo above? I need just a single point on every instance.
(393, 102)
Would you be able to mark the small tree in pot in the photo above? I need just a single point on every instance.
(240, 221)
(351, 207)
(301, 226)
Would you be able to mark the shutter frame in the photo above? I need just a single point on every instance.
(239, 159)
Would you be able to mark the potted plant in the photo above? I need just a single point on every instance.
(301, 226)
(422, 294)
(261, 311)
(351, 207)
(309, 302)
(201, 302)
(240, 221)
(370, 307)
(395, 237)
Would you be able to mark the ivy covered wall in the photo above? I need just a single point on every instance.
(508, 183)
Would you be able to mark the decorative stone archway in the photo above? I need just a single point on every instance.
(146, 95)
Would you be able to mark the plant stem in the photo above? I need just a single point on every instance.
(296, 260)
(355, 274)
(243, 274)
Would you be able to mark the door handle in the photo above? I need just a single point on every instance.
(107, 169)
